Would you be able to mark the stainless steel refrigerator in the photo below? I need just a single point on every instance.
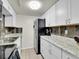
(38, 25)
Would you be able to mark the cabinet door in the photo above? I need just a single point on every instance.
(50, 51)
(47, 18)
(66, 55)
(74, 11)
(54, 52)
(44, 48)
(73, 57)
(61, 12)
(52, 16)
(9, 21)
(44, 52)
(14, 19)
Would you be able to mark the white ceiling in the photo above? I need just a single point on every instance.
(22, 9)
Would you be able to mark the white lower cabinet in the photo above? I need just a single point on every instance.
(66, 55)
(44, 50)
(44, 53)
(51, 51)
(54, 52)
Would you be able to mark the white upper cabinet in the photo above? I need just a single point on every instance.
(8, 21)
(61, 12)
(47, 18)
(74, 11)
(64, 12)
(67, 12)
(52, 16)
(10, 15)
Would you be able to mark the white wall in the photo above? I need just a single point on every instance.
(27, 23)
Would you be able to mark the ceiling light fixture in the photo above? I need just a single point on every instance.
(34, 5)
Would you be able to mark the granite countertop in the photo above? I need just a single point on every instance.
(67, 44)
(5, 43)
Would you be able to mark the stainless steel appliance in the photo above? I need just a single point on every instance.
(39, 29)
